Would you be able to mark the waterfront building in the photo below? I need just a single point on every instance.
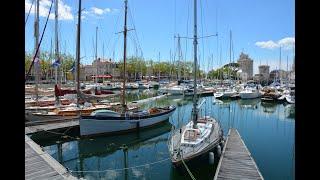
(102, 68)
(277, 74)
(246, 65)
(264, 71)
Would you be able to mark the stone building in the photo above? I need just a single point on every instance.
(101, 67)
(246, 65)
(264, 71)
(278, 74)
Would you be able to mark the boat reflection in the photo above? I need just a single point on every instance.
(104, 145)
(269, 107)
(289, 110)
(249, 103)
(224, 103)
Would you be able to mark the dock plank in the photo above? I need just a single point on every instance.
(40, 165)
(51, 126)
(236, 161)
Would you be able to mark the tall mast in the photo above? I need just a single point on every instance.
(56, 40)
(195, 42)
(124, 105)
(179, 58)
(170, 65)
(36, 31)
(96, 55)
(229, 56)
(287, 71)
(280, 66)
(112, 65)
(159, 67)
(51, 52)
(78, 53)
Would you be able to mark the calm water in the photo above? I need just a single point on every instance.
(266, 128)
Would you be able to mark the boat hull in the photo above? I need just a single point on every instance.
(175, 91)
(38, 119)
(252, 95)
(290, 100)
(93, 126)
(197, 156)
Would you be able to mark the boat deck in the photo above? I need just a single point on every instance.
(40, 165)
(192, 151)
(236, 161)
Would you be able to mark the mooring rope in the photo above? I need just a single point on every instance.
(62, 134)
(189, 172)
(121, 169)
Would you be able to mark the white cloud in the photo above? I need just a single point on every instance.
(64, 11)
(97, 11)
(286, 43)
(267, 44)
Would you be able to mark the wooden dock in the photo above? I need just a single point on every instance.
(51, 126)
(236, 161)
(40, 165)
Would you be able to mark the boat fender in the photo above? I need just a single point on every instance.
(218, 150)
(222, 144)
(211, 158)
(138, 124)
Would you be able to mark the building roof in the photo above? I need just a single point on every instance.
(264, 66)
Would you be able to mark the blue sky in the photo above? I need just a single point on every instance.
(258, 28)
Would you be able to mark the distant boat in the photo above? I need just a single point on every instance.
(290, 98)
(271, 94)
(143, 85)
(62, 114)
(250, 92)
(177, 90)
(225, 93)
(132, 86)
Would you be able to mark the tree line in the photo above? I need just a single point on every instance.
(135, 67)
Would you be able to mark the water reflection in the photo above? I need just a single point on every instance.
(259, 123)
(224, 103)
(269, 107)
(249, 103)
(290, 111)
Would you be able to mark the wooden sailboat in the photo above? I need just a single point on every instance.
(72, 111)
(107, 121)
(200, 135)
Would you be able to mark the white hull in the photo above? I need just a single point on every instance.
(175, 91)
(218, 95)
(229, 93)
(290, 99)
(249, 95)
(94, 126)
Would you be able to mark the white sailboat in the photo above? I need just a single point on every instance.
(201, 134)
(107, 121)
(250, 92)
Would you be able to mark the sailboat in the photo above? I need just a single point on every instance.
(251, 91)
(200, 135)
(71, 111)
(228, 91)
(122, 119)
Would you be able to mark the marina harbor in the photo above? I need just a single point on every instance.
(193, 91)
